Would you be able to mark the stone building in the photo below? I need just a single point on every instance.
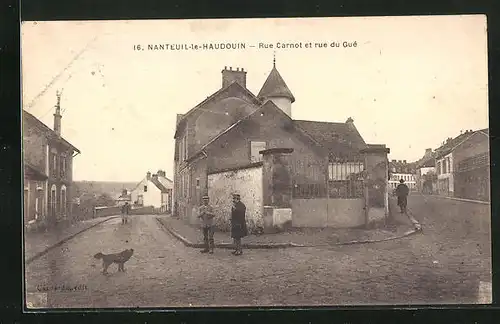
(48, 171)
(287, 171)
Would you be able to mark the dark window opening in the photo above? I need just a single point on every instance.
(145, 188)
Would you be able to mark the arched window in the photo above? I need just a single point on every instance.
(63, 202)
(53, 200)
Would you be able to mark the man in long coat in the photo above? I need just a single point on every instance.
(238, 223)
(402, 192)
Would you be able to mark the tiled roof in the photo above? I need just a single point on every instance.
(275, 86)
(159, 185)
(451, 144)
(336, 137)
(48, 131)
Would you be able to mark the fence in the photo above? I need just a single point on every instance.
(344, 182)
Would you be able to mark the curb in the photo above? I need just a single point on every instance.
(64, 240)
(186, 242)
(460, 199)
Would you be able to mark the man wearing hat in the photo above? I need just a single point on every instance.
(238, 223)
(402, 192)
(206, 214)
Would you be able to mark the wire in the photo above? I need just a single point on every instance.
(57, 76)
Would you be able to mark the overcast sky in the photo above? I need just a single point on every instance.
(410, 82)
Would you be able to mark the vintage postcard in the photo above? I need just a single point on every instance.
(256, 162)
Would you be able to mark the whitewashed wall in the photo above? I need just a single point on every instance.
(248, 183)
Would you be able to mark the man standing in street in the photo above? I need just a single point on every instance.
(125, 212)
(206, 214)
(238, 223)
(402, 192)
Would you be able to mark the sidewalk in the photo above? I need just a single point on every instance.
(37, 244)
(191, 235)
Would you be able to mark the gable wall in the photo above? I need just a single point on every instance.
(232, 150)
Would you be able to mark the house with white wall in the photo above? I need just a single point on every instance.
(154, 190)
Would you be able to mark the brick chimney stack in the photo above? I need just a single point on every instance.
(148, 176)
(238, 75)
(57, 115)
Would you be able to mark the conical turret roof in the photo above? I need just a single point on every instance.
(275, 86)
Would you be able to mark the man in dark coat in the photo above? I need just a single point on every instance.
(238, 223)
(402, 192)
(125, 212)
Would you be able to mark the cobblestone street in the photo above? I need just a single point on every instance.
(445, 264)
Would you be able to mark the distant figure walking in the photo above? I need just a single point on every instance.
(238, 223)
(125, 212)
(402, 192)
(206, 213)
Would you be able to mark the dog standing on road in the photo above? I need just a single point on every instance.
(118, 258)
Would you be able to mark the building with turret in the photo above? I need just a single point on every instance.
(235, 141)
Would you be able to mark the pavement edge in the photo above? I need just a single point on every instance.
(188, 243)
(64, 240)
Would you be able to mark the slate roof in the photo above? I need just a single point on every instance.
(275, 86)
(159, 185)
(48, 131)
(451, 144)
(340, 138)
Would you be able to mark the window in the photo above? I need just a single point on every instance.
(197, 182)
(145, 188)
(54, 163)
(343, 171)
(63, 200)
(255, 148)
(62, 165)
(53, 201)
(438, 167)
(185, 183)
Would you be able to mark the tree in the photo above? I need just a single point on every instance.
(105, 200)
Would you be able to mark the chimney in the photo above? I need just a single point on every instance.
(404, 161)
(124, 192)
(238, 75)
(161, 173)
(428, 152)
(399, 161)
(57, 115)
(393, 161)
(349, 120)
(148, 176)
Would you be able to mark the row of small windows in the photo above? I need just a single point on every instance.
(444, 166)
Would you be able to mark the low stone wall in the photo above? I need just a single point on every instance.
(106, 211)
(143, 210)
(323, 212)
